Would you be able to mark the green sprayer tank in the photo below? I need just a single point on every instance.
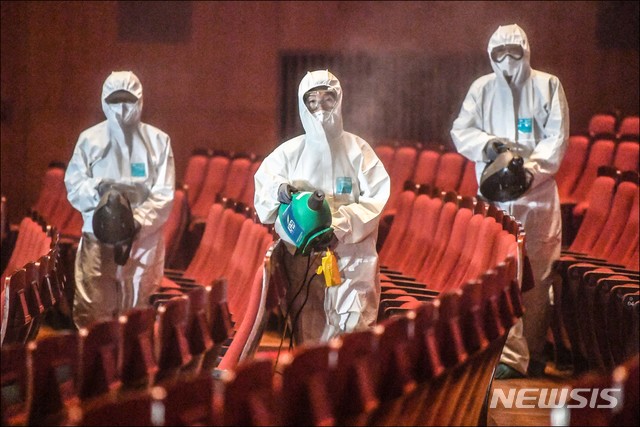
(305, 222)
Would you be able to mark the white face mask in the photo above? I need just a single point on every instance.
(508, 66)
(124, 112)
(323, 116)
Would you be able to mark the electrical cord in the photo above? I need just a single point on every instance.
(290, 306)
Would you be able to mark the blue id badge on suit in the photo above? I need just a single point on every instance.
(525, 125)
(343, 185)
(138, 170)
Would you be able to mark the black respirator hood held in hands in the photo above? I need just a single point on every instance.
(113, 224)
(505, 178)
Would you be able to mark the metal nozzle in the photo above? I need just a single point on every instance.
(315, 200)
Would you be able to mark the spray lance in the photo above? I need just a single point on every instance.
(305, 224)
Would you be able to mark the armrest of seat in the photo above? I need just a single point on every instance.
(399, 276)
(414, 291)
(387, 270)
(406, 284)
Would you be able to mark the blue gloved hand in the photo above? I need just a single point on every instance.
(285, 191)
(104, 186)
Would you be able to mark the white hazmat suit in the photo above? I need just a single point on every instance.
(527, 107)
(356, 186)
(134, 156)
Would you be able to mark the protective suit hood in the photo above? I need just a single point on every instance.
(314, 129)
(127, 81)
(511, 34)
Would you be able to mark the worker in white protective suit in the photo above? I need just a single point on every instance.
(525, 109)
(356, 186)
(135, 158)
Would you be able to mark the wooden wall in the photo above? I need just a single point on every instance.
(220, 87)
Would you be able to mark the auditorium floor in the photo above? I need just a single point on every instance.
(536, 416)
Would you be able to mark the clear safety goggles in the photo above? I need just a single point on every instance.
(498, 53)
(121, 96)
(320, 99)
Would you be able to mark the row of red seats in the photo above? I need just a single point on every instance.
(92, 376)
(446, 171)
(581, 163)
(233, 246)
(431, 366)
(52, 203)
(32, 281)
(210, 174)
(433, 246)
(610, 124)
(68, 371)
(596, 278)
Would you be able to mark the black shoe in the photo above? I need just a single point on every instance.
(536, 368)
(506, 372)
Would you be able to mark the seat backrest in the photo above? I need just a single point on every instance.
(214, 182)
(422, 229)
(17, 317)
(237, 177)
(468, 182)
(139, 357)
(215, 263)
(34, 298)
(465, 228)
(450, 170)
(602, 123)
(100, 352)
(448, 330)
(246, 262)
(250, 187)
(441, 238)
(483, 254)
(626, 156)
(629, 128)
(617, 220)
(172, 342)
(385, 153)
(211, 230)
(572, 164)
(194, 175)
(426, 167)
(395, 239)
(475, 234)
(396, 373)
(305, 394)
(176, 225)
(250, 397)
(355, 380)
(50, 191)
(27, 246)
(633, 259)
(600, 154)
(54, 361)
(250, 308)
(628, 238)
(198, 330)
(404, 161)
(600, 199)
(190, 401)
